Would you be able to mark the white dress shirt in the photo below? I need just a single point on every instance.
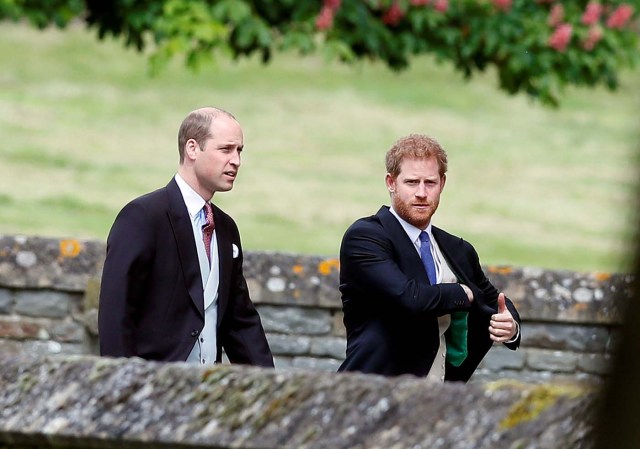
(205, 349)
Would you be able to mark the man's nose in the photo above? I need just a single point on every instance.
(421, 191)
(235, 160)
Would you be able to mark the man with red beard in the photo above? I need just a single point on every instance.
(415, 298)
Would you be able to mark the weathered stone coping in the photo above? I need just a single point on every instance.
(93, 402)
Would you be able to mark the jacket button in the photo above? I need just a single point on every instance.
(194, 333)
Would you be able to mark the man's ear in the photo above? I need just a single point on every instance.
(191, 147)
(390, 182)
(444, 180)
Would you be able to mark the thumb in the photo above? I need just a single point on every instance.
(502, 307)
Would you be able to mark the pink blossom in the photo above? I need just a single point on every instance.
(420, 2)
(592, 13)
(332, 4)
(561, 37)
(594, 36)
(620, 16)
(441, 5)
(324, 21)
(394, 14)
(503, 5)
(556, 15)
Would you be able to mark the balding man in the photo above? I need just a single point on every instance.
(173, 288)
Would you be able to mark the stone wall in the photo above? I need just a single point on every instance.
(90, 402)
(49, 292)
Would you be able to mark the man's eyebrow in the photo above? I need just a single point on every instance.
(230, 145)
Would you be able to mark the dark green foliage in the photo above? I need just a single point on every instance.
(511, 36)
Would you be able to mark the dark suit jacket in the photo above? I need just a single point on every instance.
(390, 309)
(151, 297)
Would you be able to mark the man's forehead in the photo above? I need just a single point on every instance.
(418, 175)
(425, 167)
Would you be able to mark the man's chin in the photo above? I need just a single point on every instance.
(417, 221)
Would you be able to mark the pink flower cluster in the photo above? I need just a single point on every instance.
(438, 5)
(617, 19)
(324, 21)
(620, 16)
(594, 36)
(556, 15)
(441, 5)
(561, 37)
(393, 15)
(503, 5)
(591, 17)
(592, 13)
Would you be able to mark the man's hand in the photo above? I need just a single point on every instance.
(502, 326)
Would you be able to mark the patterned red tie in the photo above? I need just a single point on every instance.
(207, 229)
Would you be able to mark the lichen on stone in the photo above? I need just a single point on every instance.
(536, 400)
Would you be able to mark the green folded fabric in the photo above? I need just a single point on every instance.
(456, 338)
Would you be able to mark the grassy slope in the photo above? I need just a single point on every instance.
(84, 130)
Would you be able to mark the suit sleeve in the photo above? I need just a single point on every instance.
(490, 293)
(124, 278)
(242, 334)
(368, 263)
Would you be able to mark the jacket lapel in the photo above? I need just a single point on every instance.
(407, 257)
(451, 249)
(454, 251)
(183, 234)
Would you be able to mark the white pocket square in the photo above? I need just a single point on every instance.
(236, 251)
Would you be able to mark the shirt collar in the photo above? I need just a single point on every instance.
(412, 231)
(192, 200)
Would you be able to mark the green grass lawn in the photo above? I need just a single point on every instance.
(84, 130)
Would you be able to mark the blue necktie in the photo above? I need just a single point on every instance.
(427, 258)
